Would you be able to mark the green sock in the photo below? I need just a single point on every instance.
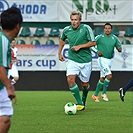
(84, 94)
(105, 85)
(98, 88)
(75, 91)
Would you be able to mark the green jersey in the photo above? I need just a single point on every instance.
(106, 44)
(76, 37)
(5, 53)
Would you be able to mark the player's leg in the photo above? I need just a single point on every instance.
(4, 124)
(108, 76)
(14, 80)
(98, 88)
(123, 90)
(100, 83)
(75, 91)
(95, 96)
(106, 83)
(74, 88)
(14, 74)
(128, 86)
(72, 72)
(6, 111)
(86, 88)
(10, 76)
(105, 87)
(85, 73)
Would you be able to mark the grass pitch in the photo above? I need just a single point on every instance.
(43, 112)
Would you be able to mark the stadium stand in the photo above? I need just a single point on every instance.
(129, 31)
(35, 42)
(119, 29)
(98, 31)
(54, 32)
(116, 31)
(25, 32)
(39, 32)
(125, 41)
(20, 41)
(50, 42)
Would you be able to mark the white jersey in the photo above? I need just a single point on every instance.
(14, 53)
(13, 71)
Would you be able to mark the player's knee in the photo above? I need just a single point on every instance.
(102, 80)
(8, 123)
(85, 85)
(109, 77)
(16, 78)
(5, 124)
(70, 81)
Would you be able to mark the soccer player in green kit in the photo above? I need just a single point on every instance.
(105, 44)
(11, 20)
(81, 38)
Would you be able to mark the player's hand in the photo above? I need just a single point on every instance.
(99, 53)
(75, 48)
(13, 61)
(119, 49)
(61, 57)
(11, 93)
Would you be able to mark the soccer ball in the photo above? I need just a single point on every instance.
(70, 108)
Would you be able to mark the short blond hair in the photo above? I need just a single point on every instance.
(76, 13)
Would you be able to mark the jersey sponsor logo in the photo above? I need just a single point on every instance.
(3, 5)
(25, 8)
(98, 7)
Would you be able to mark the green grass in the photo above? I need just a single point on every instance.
(43, 112)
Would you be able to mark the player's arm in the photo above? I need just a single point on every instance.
(86, 45)
(119, 49)
(95, 50)
(7, 83)
(118, 45)
(61, 45)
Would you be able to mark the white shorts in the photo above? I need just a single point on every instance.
(82, 70)
(5, 103)
(13, 71)
(105, 66)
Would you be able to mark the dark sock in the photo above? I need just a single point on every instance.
(128, 86)
(85, 93)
